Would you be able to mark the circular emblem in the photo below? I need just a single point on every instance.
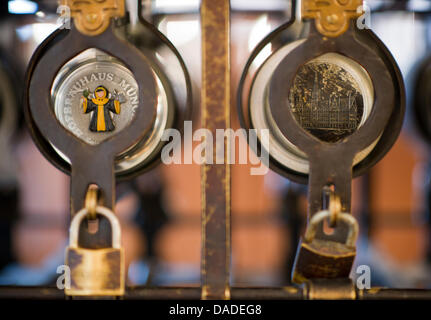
(319, 100)
(95, 99)
(326, 100)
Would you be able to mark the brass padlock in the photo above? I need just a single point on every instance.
(323, 258)
(95, 272)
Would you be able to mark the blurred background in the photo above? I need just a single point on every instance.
(160, 210)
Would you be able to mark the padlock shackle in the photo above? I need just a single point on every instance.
(80, 215)
(316, 219)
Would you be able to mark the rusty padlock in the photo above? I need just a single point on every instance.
(325, 258)
(95, 272)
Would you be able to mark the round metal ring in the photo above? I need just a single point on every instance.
(375, 151)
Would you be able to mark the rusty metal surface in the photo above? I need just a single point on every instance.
(326, 259)
(334, 289)
(331, 16)
(96, 272)
(277, 40)
(90, 164)
(215, 178)
(92, 17)
(237, 293)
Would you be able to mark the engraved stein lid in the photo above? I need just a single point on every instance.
(331, 97)
(95, 96)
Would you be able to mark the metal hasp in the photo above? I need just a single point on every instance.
(215, 178)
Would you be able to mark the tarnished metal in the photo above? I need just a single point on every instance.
(309, 99)
(89, 163)
(335, 289)
(92, 200)
(334, 208)
(325, 258)
(329, 96)
(216, 187)
(332, 17)
(173, 87)
(95, 272)
(250, 293)
(215, 178)
(334, 105)
(421, 114)
(253, 102)
(94, 70)
(421, 100)
(92, 17)
(331, 163)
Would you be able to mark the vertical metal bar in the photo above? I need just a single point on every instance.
(215, 178)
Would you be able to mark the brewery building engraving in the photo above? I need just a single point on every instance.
(326, 101)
